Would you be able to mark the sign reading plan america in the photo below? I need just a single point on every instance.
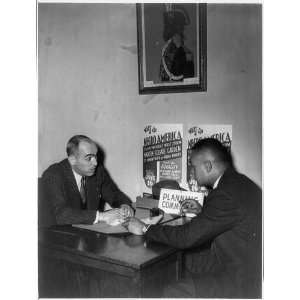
(223, 133)
(162, 153)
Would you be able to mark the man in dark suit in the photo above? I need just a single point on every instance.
(74, 190)
(223, 242)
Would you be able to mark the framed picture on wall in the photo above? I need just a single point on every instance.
(171, 47)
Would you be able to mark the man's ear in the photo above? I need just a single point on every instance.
(72, 160)
(208, 166)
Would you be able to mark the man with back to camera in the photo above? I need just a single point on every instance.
(223, 242)
(75, 189)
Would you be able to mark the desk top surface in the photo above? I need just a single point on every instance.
(123, 249)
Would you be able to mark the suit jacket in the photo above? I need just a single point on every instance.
(60, 201)
(223, 243)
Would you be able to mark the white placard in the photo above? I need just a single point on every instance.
(170, 200)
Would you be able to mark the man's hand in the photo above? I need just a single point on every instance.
(134, 225)
(111, 216)
(190, 206)
(126, 211)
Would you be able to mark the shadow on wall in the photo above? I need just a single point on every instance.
(100, 155)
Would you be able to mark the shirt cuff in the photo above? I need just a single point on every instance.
(98, 217)
(146, 228)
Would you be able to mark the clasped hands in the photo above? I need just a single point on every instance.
(135, 226)
(117, 215)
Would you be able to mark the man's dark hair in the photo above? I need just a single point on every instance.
(72, 145)
(221, 153)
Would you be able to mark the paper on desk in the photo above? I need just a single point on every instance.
(103, 227)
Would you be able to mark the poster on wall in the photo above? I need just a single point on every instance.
(162, 153)
(223, 133)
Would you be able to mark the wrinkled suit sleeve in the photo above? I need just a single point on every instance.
(111, 193)
(219, 214)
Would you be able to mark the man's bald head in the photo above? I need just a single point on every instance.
(74, 142)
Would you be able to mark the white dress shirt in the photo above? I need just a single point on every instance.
(78, 182)
(78, 179)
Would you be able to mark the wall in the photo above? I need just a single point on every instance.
(88, 83)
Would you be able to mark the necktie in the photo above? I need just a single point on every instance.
(83, 192)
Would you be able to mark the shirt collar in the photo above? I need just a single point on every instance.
(77, 178)
(217, 182)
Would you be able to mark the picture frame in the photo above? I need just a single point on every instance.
(171, 47)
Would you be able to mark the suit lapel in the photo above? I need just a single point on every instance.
(227, 175)
(71, 182)
(92, 189)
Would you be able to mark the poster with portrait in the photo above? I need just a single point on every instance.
(162, 153)
(171, 47)
(223, 133)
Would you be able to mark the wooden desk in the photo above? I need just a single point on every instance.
(74, 262)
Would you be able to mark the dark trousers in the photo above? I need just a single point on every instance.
(184, 288)
(212, 286)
